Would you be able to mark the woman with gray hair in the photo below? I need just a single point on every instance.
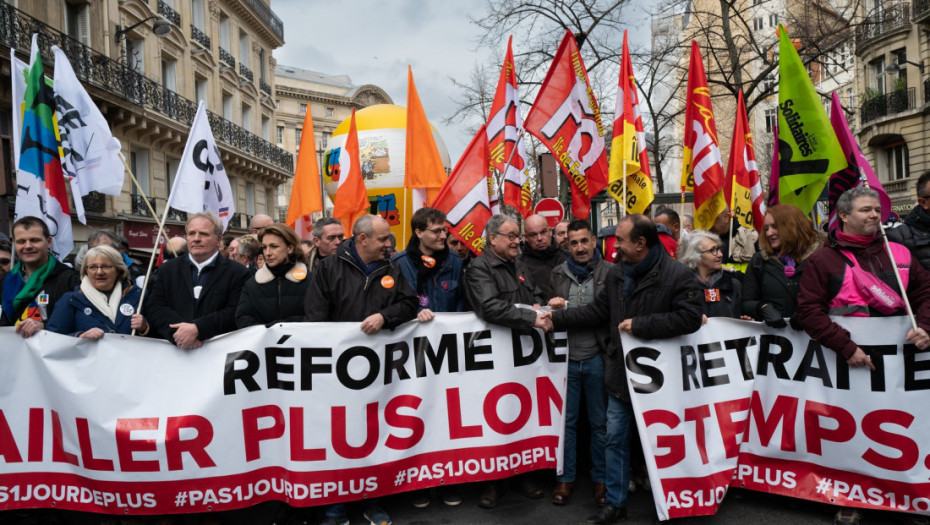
(701, 251)
(105, 302)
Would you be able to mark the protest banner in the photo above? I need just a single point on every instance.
(741, 404)
(305, 413)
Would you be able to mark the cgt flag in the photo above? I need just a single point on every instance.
(40, 180)
(742, 184)
(464, 198)
(201, 183)
(808, 149)
(566, 118)
(702, 168)
(351, 201)
(306, 197)
(628, 155)
(857, 168)
(505, 141)
(91, 155)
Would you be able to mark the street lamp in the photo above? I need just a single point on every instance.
(898, 65)
(161, 27)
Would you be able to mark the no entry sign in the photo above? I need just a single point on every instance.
(551, 209)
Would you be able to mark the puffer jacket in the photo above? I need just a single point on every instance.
(665, 303)
(340, 291)
(266, 298)
(444, 293)
(494, 286)
(75, 314)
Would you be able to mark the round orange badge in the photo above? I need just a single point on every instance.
(300, 274)
(387, 281)
(428, 261)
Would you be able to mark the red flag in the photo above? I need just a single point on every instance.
(305, 196)
(464, 197)
(351, 201)
(423, 168)
(742, 185)
(566, 118)
(702, 163)
(505, 140)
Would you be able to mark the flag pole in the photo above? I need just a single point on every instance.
(623, 204)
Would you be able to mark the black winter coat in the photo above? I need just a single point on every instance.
(666, 303)
(765, 282)
(172, 298)
(915, 234)
(60, 281)
(494, 285)
(728, 302)
(339, 291)
(266, 298)
(541, 264)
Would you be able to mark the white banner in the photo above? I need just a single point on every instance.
(813, 427)
(306, 413)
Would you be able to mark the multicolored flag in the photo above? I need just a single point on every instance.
(40, 180)
(628, 155)
(423, 172)
(566, 118)
(505, 141)
(201, 183)
(808, 149)
(464, 198)
(351, 201)
(92, 160)
(702, 163)
(742, 185)
(306, 196)
(856, 170)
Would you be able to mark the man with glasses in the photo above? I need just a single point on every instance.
(495, 283)
(540, 254)
(914, 231)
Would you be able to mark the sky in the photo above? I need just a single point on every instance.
(373, 42)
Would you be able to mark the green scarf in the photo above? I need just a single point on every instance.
(34, 285)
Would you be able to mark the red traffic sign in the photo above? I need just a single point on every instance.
(550, 209)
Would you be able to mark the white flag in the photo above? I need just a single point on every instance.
(201, 183)
(91, 160)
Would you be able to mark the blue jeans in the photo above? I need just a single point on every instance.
(588, 376)
(619, 421)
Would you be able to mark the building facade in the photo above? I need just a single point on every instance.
(147, 64)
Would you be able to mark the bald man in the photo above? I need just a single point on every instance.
(540, 254)
(259, 221)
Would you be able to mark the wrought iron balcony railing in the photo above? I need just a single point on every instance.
(227, 58)
(95, 202)
(138, 205)
(245, 72)
(169, 13)
(200, 37)
(177, 215)
(888, 104)
(880, 24)
(102, 72)
(267, 15)
(921, 9)
(236, 220)
(264, 86)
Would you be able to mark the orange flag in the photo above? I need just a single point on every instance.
(424, 169)
(702, 168)
(351, 197)
(464, 198)
(305, 196)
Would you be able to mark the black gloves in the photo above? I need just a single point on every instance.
(772, 317)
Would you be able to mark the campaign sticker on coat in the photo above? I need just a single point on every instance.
(126, 309)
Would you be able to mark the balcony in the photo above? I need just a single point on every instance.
(264, 86)
(921, 10)
(267, 16)
(882, 24)
(138, 205)
(102, 72)
(177, 215)
(245, 72)
(94, 202)
(169, 13)
(227, 58)
(236, 220)
(888, 104)
(200, 37)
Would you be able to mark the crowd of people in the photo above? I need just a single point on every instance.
(651, 278)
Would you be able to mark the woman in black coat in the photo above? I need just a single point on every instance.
(703, 253)
(770, 286)
(276, 292)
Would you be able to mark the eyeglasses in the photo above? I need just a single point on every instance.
(105, 267)
(715, 250)
(439, 230)
(512, 235)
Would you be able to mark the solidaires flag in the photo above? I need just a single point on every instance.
(628, 155)
(808, 150)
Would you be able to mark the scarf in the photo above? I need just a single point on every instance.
(425, 271)
(18, 293)
(853, 239)
(366, 268)
(281, 269)
(711, 279)
(631, 272)
(582, 272)
(108, 306)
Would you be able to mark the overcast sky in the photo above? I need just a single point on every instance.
(373, 42)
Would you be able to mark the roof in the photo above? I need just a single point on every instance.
(305, 75)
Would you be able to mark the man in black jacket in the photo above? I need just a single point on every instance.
(31, 289)
(540, 254)
(649, 295)
(195, 296)
(914, 232)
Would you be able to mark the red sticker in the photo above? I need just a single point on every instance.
(712, 295)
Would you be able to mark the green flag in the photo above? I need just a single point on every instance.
(808, 150)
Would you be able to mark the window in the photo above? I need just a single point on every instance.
(899, 77)
(247, 117)
(875, 75)
(758, 24)
(224, 31)
(773, 20)
(771, 119)
(302, 109)
(756, 2)
(270, 202)
(280, 135)
(169, 77)
(200, 90)
(197, 14)
(250, 198)
(299, 130)
(227, 106)
(771, 82)
(897, 161)
(244, 49)
(261, 65)
(324, 139)
(171, 170)
(77, 22)
(135, 54)
(139, 163)
(266, 128)
(851, 98)
(330, 112)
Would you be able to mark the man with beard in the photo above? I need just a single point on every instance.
(326, 236)
(914, 232)
(575, 283)
(540, 254)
